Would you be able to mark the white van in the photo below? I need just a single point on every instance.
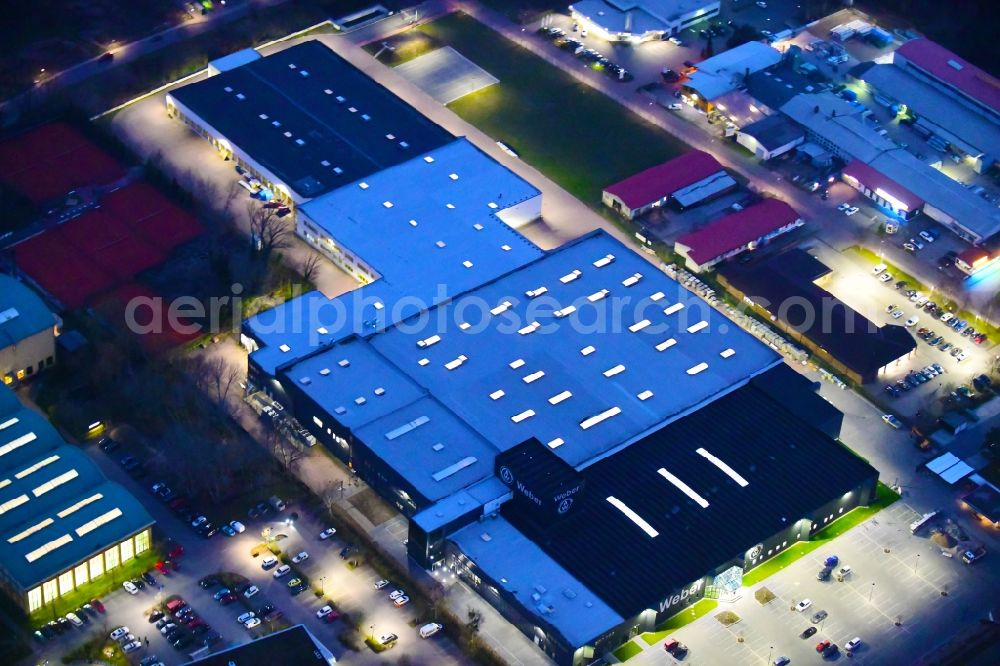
(268, 562)
(429, 630)
(283, 570)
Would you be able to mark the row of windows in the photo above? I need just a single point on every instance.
(28, 371)
(85, 572)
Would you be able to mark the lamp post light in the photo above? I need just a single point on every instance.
(916, 562)
(770, 650)
(871, 591)
(322, 585)
(372, 628)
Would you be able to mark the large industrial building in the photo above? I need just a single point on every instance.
(641, 20)
(787, 289)
(303, 121)
(522, 407)
(687, 180)
(845, 132)
(62, 523)
(728, 71)
(28, 331)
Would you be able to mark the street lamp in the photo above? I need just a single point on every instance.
(769, 651)
(916, 562)
(372, 627)
(322, 587)
(871, 591)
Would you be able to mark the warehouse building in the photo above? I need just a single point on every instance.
(503, 420)
(641, 20)
(28, 331)
(885, 192)
(736, 233)
(688, 180)
(62, 523)
(294, 645)
(728, 71)
(303, 121)
(784, 289)
(770, 137)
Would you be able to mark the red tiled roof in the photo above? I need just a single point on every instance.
(664, 179)
(872, 178)
(733, 231)
(971, 80)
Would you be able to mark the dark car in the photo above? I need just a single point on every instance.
(148, 577)
(107, 444)
(227, 599)
(155, 616)
(298, 589)
(264, 610)
(63, 624)
(210, 638)
(345, 551)
(208, 582)
(54, 627)
(47, 631)
(139, 583)
(824, 573)
(82, 614)
(182, 641)
(831, 651)
(808, 632)
(669, 75)
(39, 636)
(198, 628)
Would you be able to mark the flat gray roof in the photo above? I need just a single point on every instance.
(311, 118)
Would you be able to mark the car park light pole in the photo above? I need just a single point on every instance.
(871, 591)
(322, 586)
(916, 562)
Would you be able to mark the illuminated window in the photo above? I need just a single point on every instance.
(81, 574)
(141, 542)
(126, 548)
(49, 591)
(34, 599)
(96, 566)
(110, 558)
(66, 583)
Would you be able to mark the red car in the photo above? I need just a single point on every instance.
(228, 599)
(98, 606)
(822, 645)
(670, 644)
(175, 552)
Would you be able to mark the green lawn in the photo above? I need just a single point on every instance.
(578, 137)
(884, 497)
(675, 622)
(627, 651)
(95, 588)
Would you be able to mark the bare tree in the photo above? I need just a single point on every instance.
(231, 194)
(287, 454)
(310, 268)
(268, 232)
(216, 377)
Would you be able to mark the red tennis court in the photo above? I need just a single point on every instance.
(150, 312)
(49, 161)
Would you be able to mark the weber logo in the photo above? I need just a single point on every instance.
(678, 598)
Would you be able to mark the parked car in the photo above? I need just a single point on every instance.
(130, 587)
(804, 604)
(250, 591)
(809, 631)
(283, 570)
(854, 643)
(401, 601)
(118, 633)
(301, 557)
(818, 616)
(892, 421)
(327, 533)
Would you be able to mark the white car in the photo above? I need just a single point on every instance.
(396, 594)
(674, 107)
(281, 571)
(896, 314)
(167, 628)
(118, 633)
(268, 562)
(323, 612)
(761, 4)
(962, 356)
(804, 604)
(131, 646)
(429, 630)
(892, 421)
(844, 570)
(401, 601)
(327, 533)
(74, 619)
(301, 557)
(947, 316)
(379, 584)
(842, 207)
(250, 591)
(851, 211)
(879, 268)
(853, 644)
(927, 236)
(912, 321)
(675, 41)
(252, 622)
(130, 587)
(885, 277)
(238, 527)
(246, 617)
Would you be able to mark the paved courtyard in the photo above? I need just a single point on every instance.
(446, 75)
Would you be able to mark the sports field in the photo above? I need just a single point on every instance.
(578, 137)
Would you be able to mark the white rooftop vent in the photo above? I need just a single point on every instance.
(701, 325)
(534, 376)
(657, 296)
(477, 226)
(559, 397)
(954, 64)
(413, 223)
(597, 418)
(530, 328)
(365, 116)
(340, 410)
(556, 443)
(465, 326)
(391, 137)
(263, 116)
(291, 65)
(288, 135)
(496, 395)
(338, 170)
(240, 96)
(604, 261)
(450, 206)
(428, 159)
(327, 91)
(303, 73)
(438, 447)
(701, 367)
(340, 99)
(526, 414)
(676, 307)
(423, 361)
(645, 395)
(285, 348)
(387, 204)
(616, 370)
(324, 372)
(276, 123)
(535, 293)
(492, 205)
(300, 142)
(467, 263)
(453, 176)
(305, 381)
(500, 309)
(363, 185)
(404, 145)
(325, 163)
(428, 342)
(632, 280)
(343, 363)
(378, 305)
(228, 89)
(598, 295)
(456, 362)
(516, 363)
(360, 400)
(588, 350)
(485, 536)
(666, 344)
(379, 391)
(639, 325)
(322, 330)
(569, 277)
(565, 312)
(352, 109)
(726, 353)
(505, 247)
